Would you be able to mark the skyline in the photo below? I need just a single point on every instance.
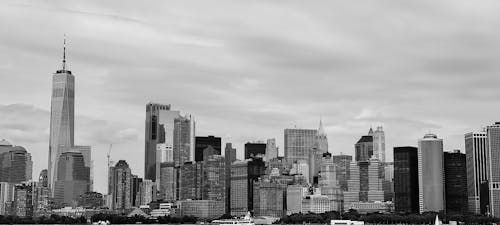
(245, 80)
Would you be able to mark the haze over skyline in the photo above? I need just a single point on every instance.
(248, 70)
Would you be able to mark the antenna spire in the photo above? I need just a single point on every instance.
(64, 54)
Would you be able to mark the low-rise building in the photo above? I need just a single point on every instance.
(203, 209)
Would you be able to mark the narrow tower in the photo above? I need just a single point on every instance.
(62, 116)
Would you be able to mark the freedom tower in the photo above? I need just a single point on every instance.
(62, 117)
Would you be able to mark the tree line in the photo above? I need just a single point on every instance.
(390, 218)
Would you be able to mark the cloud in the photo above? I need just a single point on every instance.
(248, 70)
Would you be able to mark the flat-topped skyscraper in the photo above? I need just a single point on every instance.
(62, 116)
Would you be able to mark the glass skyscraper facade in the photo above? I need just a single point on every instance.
(406, 179)
(476, 152)
(431, 174)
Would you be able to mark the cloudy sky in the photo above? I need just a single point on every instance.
(248, 69)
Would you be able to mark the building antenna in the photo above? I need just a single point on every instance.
(64, 54)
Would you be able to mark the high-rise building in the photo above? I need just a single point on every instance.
(365, 184)
(314, 163)
(322, 139)
(243, 176)
(255, 150)
(136, 190)
(203, 209)
(168, 181)
(271, 150)
(191, 181)
(431, 174)
(147, 192)
(455, 180)
(294, 195)
(214, 179)
(73, 178)
(62, 117)
(379, 144)
(120, 186)
(343, 163)
(201, 143)
(183, 150)
(6, 196)
(364, 147)
(493, 135)
(406, 179)
(476, 152)
(328, 183)
(229, 157)
(15, 164)
(159, 130)
(298, 143)
(23, 200)
(41, 194)
(269, 198)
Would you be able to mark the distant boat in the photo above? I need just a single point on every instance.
(247, 220)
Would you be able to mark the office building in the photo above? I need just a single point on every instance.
(62, 117)
(201, 143)
(364, 147)
(120, 190)
(87, 158)
(328, 183)
(255, 150)
(147, 192)
(136, 190)
(190, 181)
(41, 194)
(315, 204)
(298, 143)
(431, 174)
(379, 144)
(6, 197)
(243, 176)
(23, 200)
(269, 198)
(214, 179)
(73, 178)
(455, 180)
(294, 195)
(493, 135)
(202, 209)
(343, 163)
(229, 157)
(168, 181)
(322, 139)
(364, 185)
(15, 164)
(159, 130)
(91, 200)
(314, 162)
(476, 152)
(184, 130)
(271, 150)
(406, 198)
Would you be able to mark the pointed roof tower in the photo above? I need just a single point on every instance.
(370, 132)
(321, 130)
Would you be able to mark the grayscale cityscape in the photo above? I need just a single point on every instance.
(250, 112)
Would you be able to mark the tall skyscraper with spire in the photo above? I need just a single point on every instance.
(62, 116)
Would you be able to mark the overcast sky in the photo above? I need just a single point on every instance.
(248, 69)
